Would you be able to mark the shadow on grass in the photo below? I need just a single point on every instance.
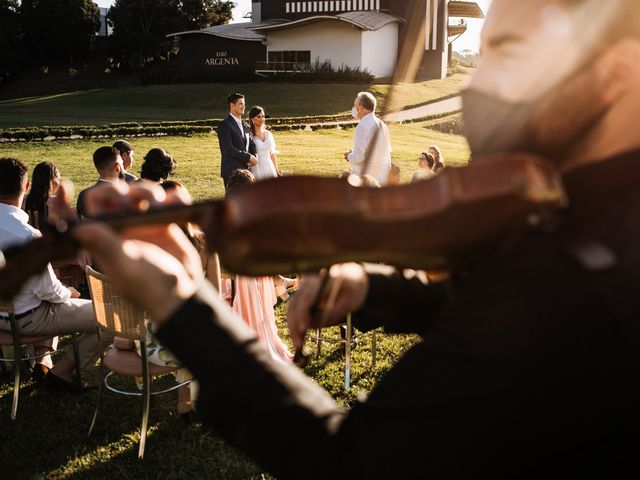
(49, 440)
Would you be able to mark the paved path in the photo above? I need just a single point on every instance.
(437, 108)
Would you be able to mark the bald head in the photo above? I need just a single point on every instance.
(529, 47)
(558, 78)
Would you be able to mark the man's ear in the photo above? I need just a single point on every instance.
(27, 185)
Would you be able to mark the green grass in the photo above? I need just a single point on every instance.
(198, 157)
(199, 101)
(49, 438)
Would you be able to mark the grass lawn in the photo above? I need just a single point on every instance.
(199, 101)
(49, 440)
(198, 157)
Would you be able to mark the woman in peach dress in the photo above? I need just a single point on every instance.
(254, 301)
(255, 297)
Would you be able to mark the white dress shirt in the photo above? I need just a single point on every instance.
(380, 161)
(241, 127)
(15, 230)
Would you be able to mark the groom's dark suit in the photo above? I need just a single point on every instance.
(236, 146)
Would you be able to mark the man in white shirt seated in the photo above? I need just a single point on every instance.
(379, 163)
(44, 306)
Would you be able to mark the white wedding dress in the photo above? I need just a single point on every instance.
(265, 167)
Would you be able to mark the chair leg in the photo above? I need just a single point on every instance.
(146, 398)
(16, 383)
(17, 356)
(76, 359)
(318, 343)
(347, 355)
(374, 349)
(100, 386)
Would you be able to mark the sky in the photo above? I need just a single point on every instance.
(469, 41)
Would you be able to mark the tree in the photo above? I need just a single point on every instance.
(55, 29)
(205, 13)
(140, 27)
(9, 37)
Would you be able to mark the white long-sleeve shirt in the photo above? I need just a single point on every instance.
(380, 162)
(15, 230)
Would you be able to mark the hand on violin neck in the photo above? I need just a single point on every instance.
(156, 267)
(324, 302)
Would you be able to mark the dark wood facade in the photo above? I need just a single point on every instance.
(209, 57)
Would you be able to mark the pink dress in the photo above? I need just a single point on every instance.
(254, 301)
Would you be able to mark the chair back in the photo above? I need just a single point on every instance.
(114, 312)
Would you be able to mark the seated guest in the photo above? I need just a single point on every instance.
(157, 165)
(255, 296)
(438, 158)
(43, 306)
(426, 161)
(109, 165)
(125, 149)
(44, 185)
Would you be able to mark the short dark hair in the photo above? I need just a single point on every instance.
(123, 146)
(238, 179)
(234, 97)
(158, 165)
(431, 160)
(105, 157)
(12, 175)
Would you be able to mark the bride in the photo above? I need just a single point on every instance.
(267, 166)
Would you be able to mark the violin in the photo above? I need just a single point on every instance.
(303, 224)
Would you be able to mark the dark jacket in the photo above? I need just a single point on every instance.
(234, 148)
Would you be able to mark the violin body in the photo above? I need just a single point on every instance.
(303, 224)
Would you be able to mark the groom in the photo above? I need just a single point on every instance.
(236, 146)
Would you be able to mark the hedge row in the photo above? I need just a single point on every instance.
(213, 122)
(134, 129)
(66, 133)
(454, 126)
(130, 131)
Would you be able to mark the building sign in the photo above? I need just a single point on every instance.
(221, 59)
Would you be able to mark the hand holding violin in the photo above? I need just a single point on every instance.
(313, 307)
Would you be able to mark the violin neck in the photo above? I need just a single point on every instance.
(195, 213)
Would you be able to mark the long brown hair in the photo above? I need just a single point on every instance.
(253, 113)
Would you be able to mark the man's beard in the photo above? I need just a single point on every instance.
(549, 125)
(121, 174)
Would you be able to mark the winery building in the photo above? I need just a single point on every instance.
(292, 37)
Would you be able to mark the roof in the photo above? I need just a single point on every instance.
(235, 31)
(465, 9)
(457, 30)
(371, 21)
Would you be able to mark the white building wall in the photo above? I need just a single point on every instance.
(334, 40)
(380, 50)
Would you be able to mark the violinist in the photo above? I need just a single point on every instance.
(529, 362)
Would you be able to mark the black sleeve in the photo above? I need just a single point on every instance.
(400, 301)
(80, 205)
(226, 145)
(271, 411)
